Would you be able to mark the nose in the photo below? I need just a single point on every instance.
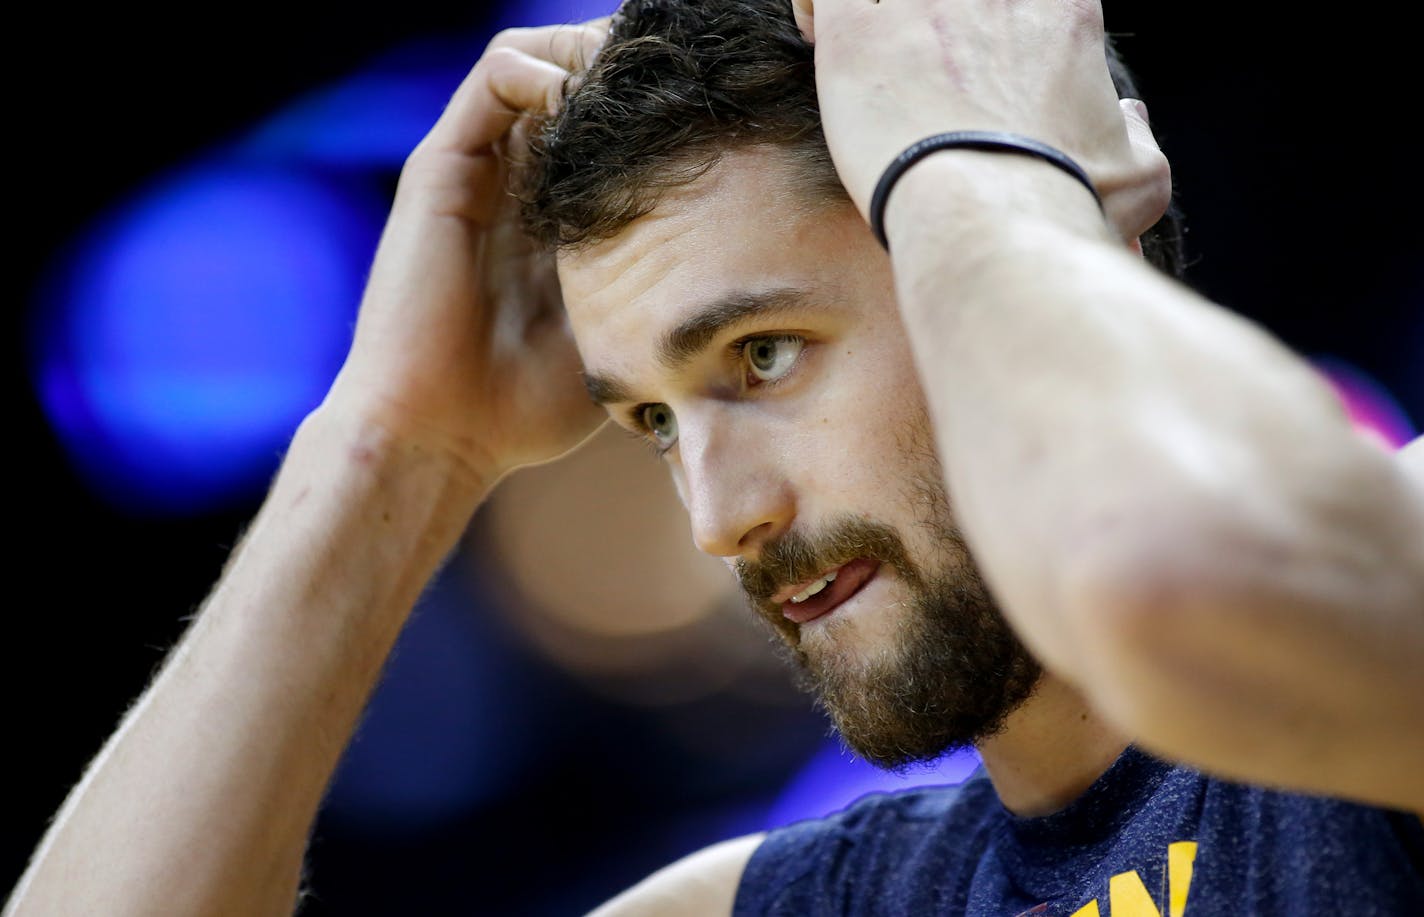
(733, 485)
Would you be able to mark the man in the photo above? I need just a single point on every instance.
(1185, 552)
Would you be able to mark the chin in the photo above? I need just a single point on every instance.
(907, 680)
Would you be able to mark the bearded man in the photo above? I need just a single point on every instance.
(992, 478)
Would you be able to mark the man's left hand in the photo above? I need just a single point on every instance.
(893, 72)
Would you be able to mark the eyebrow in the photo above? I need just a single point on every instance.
(679, 346)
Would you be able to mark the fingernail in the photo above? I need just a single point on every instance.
(1141, 107)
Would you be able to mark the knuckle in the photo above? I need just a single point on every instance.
(502, 59)
(418, 166)
(1085, 18)
(416, 158)
(1161, 183)
(508, 38)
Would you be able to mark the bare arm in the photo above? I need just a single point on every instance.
(461, 368)
(201, 802)
(1170, 505)
(702, 884)
(1411, 457)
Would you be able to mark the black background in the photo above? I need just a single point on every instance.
(1290, 137)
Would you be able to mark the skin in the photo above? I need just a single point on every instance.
(1195, 544)
(1170, 506)
(757, 459)
(1209, 562)
(461, 369)
(752, 461)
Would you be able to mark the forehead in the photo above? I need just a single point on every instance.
(742, 227)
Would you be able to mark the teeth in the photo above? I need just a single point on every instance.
(814, 588)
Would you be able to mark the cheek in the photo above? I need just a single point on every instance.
(679, 483)
(868, 428)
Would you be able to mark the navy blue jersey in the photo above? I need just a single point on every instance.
(1148, 839)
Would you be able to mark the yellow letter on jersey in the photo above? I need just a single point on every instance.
(1129, 896)
(1180, 857)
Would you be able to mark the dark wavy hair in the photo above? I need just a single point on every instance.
(679, 83)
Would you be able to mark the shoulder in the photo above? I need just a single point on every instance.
(802, 859)
(1256, 843)
(870, 856)
(702, 883)
(888, 816)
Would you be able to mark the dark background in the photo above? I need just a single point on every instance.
(1289, 140)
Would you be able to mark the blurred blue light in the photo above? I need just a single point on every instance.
(550, 12)
(187, 335)
(370, 120)
(449, 727)
(833, 779)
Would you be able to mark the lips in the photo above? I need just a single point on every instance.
(849, 580)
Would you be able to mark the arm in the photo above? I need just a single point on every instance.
(1411, 458)
(1170, 506)
(702, 884)
(202, 800)
(1174, 509)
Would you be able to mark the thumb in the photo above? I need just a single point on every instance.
(1139, 129)
(1144, 191)
(805, 15)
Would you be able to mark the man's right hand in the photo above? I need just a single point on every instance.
(462, 368)
(462, 346)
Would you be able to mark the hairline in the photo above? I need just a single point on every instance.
(813, 175)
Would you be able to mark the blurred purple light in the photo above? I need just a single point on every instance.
(1369, 404)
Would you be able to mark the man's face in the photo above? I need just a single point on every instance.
(753, 339)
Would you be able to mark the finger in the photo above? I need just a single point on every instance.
(527, 84)
(569, 46)
(1139, 129)
(1149, 188)
(1145, 147)
(804, 11)
(504, 85)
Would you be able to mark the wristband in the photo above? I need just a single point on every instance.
(990, 141)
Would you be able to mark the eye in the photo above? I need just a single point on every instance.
(771, 357)
(661, 423)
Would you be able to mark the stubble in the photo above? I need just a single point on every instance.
(952, 669)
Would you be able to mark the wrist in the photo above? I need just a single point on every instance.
(395, 440)
(976, 198)
(990, 141)
(346, 437)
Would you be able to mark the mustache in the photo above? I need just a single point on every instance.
(797, 557)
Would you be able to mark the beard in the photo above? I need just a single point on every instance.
(953, 669)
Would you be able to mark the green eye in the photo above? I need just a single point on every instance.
(769, 358)
(662, 423)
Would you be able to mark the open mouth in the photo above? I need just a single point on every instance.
(821, 596)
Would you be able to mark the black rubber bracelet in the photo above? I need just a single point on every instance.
(991, 141)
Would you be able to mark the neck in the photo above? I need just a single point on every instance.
(1050, 751)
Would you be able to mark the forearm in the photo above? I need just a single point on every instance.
(1169, 504)
(202, 801)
